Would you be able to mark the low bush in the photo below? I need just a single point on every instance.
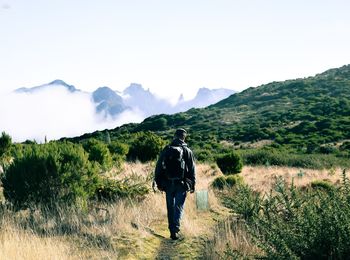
(230, 163)
(243, 201)
(233, 180)
(99, 152)
(111, 190)
(291, 223)
(219, 182)
(118, 151)
(118, 148)
(146, 147)
(203, 155)
(323, 185)
(43, 174)
(5, 143)
(229, 181)
(291, 159)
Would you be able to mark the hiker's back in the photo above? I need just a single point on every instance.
(174, 163)
(175, 174)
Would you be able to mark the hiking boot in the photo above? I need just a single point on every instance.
(176, 235)
(173, 236)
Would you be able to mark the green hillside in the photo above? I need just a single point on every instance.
(309, 115)
(301, 116)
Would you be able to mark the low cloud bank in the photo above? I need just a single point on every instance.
(54, 113)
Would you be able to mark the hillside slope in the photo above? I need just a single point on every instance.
(306, 112)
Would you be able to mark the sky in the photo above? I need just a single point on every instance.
(170, 46)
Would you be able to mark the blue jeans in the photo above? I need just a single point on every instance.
(175, 200)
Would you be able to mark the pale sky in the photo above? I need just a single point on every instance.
(170, 46)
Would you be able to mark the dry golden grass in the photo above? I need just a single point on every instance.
(132, 230)
(124, 229)
(66, 234)
(229, 237)
(18, 244)
(262, 178)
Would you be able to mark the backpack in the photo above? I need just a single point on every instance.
(174, 163)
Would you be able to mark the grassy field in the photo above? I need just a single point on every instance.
(138, 229)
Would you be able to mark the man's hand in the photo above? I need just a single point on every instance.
(154, 185)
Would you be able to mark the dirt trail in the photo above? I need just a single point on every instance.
(157, 244)
(153, 241)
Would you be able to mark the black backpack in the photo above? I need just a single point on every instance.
(174, 162)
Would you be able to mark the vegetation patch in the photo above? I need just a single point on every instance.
(109, 190)
(228, 181)
(145, 147)
(43, 174)
(230, 163)
(291, 223)
(323, 185)
(303, 120)
(284, 157)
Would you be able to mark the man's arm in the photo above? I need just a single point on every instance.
(159, 171)
(191, 168)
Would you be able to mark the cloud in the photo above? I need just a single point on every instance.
(54, 112)
(5, 6)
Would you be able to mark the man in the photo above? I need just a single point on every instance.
(175, 174)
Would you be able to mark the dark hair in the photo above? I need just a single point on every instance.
(181, 133)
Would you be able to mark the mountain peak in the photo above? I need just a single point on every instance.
(109, 102)
(105, 93)
(56, 82)
(135, 88)
(60, 82)
(203, 91)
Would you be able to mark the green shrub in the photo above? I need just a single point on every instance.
(118, 151)
(288, 158)
(233, 180)
(243, 201)
(48, 173)
(219, 182)
(327, 149)
(258, 157)
(112, 190)
(297, 224)
(5, 143)
(227, 181)
(345, 146)
(146, 147)
(118, 148)
(99, 152)
(323, 185)
(230, 163)
(204, 155)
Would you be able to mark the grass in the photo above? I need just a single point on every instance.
(19, 244)
(262, 178)
(276, 157)
(230, 240)
(131, 229)
(123, 229)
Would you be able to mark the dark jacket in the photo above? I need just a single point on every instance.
(190, 170)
